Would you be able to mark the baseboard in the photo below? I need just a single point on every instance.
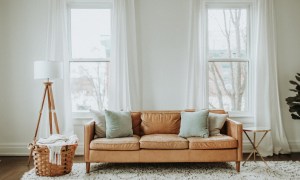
(295, 146)
(80, 150)
(20, 149)
(14, 149)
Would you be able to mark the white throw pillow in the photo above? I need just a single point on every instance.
(100, 124)
(216, 122)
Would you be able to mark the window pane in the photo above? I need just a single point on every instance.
(227, 33)
(88, 85)
(91, 33)
(228, 86)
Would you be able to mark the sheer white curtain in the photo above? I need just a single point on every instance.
(197, 63)
(124, 89)
(57, 50)
(267, 108)
(268, 113)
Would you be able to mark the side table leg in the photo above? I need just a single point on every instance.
(263, 159)
(254, 137)
(253, 146)
(258, 151)
(248, 158)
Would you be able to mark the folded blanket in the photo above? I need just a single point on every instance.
(72, 139)
(53, 138)
(54, 153)
(55, 143)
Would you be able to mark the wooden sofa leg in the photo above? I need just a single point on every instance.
(87, 166)
(237, 166)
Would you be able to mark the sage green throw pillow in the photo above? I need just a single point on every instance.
(216, 122)
(118, 124)
(194, 124)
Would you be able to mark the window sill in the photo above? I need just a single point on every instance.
(80, 121)
(240, 116)
(245, 119)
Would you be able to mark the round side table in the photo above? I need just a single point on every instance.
(255, 130)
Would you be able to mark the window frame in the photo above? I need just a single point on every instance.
(247, 4)
(96, 4)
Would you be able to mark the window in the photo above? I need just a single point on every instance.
(229, 57)
(90, 45)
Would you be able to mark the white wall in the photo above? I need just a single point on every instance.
(163, 36)
(288, 30)
(23, 33)
(1, 44)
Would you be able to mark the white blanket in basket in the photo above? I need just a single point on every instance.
(55, 143)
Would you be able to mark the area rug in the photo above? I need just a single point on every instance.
(164, 171)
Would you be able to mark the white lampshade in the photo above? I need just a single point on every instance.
(48, 70)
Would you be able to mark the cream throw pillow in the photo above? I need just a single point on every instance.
(100, 125)
(216, 122)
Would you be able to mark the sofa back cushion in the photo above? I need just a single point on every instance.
(160, 122)
(136, 122)
(217, 111)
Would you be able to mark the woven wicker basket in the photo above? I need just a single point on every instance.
(44, 168)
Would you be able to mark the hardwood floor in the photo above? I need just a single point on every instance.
(14, 167)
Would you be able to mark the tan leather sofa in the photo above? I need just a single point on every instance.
(156, 140)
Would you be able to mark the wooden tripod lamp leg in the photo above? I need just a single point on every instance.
(50, 108)
(53, 109)
(38, 124)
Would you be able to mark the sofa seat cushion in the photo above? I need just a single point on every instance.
(163, 141)
(213, 142)
(116, 144)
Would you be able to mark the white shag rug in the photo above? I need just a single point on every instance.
(251, 170)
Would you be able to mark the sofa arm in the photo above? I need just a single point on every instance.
(89, 131)
(235, 130)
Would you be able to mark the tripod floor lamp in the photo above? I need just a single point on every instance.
(48, 70)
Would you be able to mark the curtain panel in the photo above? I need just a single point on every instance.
(197, 62)
(267, 106)
(267, 111)
(57, 50)
(124, 88)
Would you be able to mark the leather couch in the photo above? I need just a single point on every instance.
(156, 140)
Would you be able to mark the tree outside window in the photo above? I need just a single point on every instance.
(90, 40)
(228, 56)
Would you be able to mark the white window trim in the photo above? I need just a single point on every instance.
(83, 4)
(249, 5)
